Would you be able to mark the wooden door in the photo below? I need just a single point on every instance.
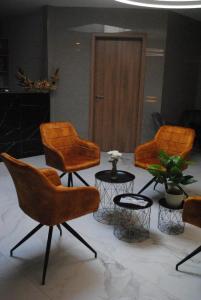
(117, 91)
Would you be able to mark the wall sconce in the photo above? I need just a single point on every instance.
(154, 52)
(151, 99)
(77, 45)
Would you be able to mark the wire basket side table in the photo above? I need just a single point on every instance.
(170, 219)
(110, 187)
(132, 220)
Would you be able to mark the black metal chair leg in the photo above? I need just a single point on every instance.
(73, 232)
(81, 179)
(183, 191)
(147, 185)
(72, 180)
(196, 251)
(155, 185)
(26, 238)
(47, 253)
(60, 230)
(69, 179)
(62, 174)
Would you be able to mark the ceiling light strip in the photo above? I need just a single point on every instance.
(169, 4)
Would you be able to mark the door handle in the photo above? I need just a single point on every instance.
(99, 97)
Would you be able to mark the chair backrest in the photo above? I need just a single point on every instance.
(60, 135)
(174, 139)
(191, 118)
(35, 192)
(158, 120)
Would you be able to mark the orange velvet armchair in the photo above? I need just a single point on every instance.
(42, 197)
(192, 215)
(174, 140)
(65, 151)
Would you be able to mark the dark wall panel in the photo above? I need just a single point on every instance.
(20, 118)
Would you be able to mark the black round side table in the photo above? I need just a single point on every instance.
(170, 218)
(132, 217)
(109, 187)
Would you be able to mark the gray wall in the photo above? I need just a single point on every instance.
(27, 46)
(197, 104)
(182, 67)
(45, 40)
(66, 26)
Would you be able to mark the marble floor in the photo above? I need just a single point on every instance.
(123, 271)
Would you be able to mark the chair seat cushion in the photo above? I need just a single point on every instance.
(144, 164)
(75, 162)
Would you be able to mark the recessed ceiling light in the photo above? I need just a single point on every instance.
(169, 4)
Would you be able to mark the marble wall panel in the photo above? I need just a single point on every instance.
(20, 117)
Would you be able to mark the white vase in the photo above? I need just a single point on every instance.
(174, 196)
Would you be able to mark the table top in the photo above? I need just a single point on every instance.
(163, 203)
(138, 197)
(121, 176)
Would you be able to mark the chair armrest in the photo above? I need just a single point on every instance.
(192, 210)
(147, 150)
(89, 148)
(54, 158)
(185, 153)
(76, 201)
(52, 175)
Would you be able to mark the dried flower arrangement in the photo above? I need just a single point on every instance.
(38, 85)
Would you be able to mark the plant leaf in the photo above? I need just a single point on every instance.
(164, 158)
(156, 170)
(187, 179)
(177, 161)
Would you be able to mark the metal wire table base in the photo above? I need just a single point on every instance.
(107, 192)
(132, 225)
(170, 219)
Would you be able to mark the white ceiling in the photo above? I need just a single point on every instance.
(11, 7)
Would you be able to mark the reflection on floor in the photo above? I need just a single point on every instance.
(137, 271)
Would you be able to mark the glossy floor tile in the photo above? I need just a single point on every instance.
(123, 271)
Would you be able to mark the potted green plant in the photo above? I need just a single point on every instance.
(170, 173)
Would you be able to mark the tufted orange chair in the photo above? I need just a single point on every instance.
(174, 140)
(192, 215)
(42, 197)
(65, 151)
